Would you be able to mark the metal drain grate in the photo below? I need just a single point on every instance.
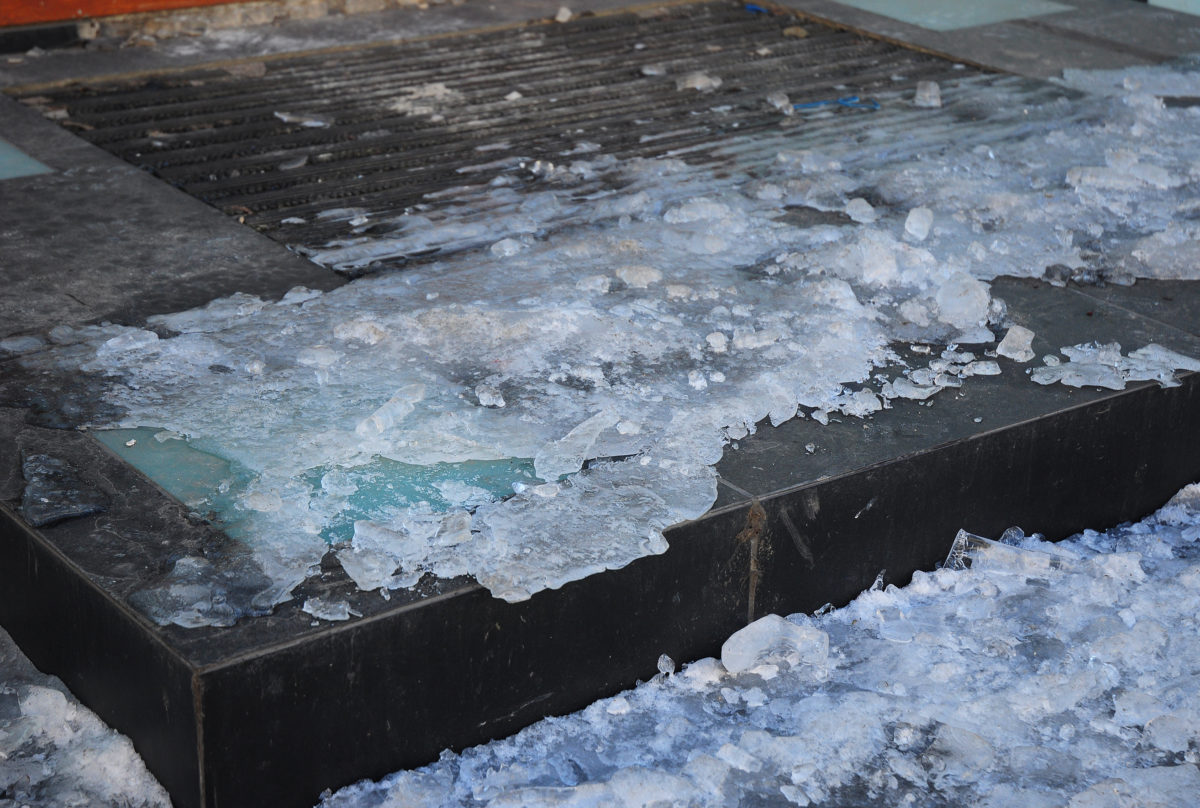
(391, 129)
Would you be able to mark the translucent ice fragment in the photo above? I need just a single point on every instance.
(928, 95)
(567, 454)
(402, 402)
(976, 552)
(698, 80)
(903, 388)
(127, 341)
(918, 222)
(962, 301)
(807, 161)
(488, 395)
(638, 276)
(1016, 344)
(654, 70)
(310, 121)
(506, 248)
(779, 100)
(860, 210)
(772, 639)
(563, 14)
(328, 609)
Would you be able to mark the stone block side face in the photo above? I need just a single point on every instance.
(109, 657)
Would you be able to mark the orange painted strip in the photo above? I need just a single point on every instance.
(24, 12)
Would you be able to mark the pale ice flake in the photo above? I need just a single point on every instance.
(1021, 673)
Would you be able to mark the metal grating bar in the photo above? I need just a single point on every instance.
(292, 137)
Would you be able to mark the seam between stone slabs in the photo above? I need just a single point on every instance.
(1133, 312)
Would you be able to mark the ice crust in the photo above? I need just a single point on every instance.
(1028, 673)
(619, 324)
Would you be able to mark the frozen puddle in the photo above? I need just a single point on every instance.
(542, 409)
(1023, 673)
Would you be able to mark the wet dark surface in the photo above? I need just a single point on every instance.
(53, 492)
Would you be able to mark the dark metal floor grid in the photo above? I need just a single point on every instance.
(382, 129)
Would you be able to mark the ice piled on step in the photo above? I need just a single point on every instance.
(1039, 674)
(688, 305)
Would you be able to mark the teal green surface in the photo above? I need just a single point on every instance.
(382, 489)
(16, 163)
(949, 15)
(1186, 6)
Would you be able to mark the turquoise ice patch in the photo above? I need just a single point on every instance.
(16, 163)
(950, 15)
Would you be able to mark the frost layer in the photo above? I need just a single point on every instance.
(1039, 675)
(542, 409)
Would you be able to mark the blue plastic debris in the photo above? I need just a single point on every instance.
(756, 9)
(851, 101)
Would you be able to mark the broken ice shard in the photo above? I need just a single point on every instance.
(54, 492)
(1015, 344)
(772, 639)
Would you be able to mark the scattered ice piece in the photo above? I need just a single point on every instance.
(1016, 344)
(310, 121)
(904, 388)
(567, 454)
(564, 14)
(795, 32)
(293, 220)
(506, 248)
(807, 161)
(488, 395)
(131, 340)
(326, 609)
(717, 342)
(131, 442)
(772, 639)
(1095, 365)
(698, 80)
(638, 276)
(515, 95)
(928, 95)
(779, 101)
(918, 222)
(860, 210)
(655, 69)
(666, 665)
(391, 411)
